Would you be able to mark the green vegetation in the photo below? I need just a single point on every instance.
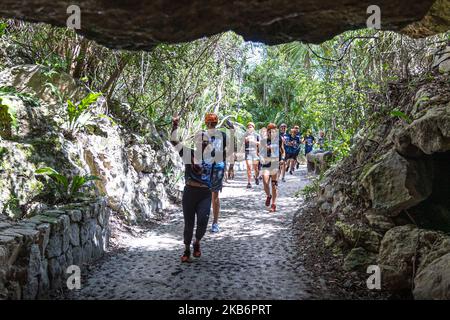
(12, 207)
(311, 190)
(78, 114)
(26, 98)
(339, 86)
(401, 115)
(67, 189)
(8, 120)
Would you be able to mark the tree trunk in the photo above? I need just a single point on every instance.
(79, 58)
(109, 85)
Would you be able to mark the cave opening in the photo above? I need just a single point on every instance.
(434, 212)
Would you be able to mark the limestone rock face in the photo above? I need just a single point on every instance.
(359, 236)
(142, 24)
(138, 175)
(433, 282)
(395, 183)
(431, 133)
(359, 259)
(437, 20)
(407, 250)
(132, 177)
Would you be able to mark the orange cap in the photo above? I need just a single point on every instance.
(271, 126)
(211, 117)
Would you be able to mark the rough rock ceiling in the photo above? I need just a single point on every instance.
(140, 24)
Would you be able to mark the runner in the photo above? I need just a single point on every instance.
(218, 152)
(292, 150)
(309, 141)
(283, 162)
(197, 193)
(252, 153)
(297, 132)
(272, 153)
(232, 156)
(262, 136)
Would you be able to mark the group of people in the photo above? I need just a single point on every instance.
(260, 147)
(269, 153)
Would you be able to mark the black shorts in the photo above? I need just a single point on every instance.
(292, 156)
(218, 174)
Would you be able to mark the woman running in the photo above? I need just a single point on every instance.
(252, 153)
(272, 151)
(197, 194)
(293, 143)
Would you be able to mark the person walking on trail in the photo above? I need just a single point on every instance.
(232, 154)
(292, 145)
(309, 141)
(252, 140)
(283, 162)
(321, 141)
(297, 132)
(218, 144)
(272, 151)
(197, 194)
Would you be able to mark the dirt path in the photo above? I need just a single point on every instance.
(253, 257)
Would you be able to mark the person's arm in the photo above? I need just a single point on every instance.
(282, 150)
(174, 133)
(174, 140)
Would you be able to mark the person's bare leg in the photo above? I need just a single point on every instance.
(256, 169)
(216, 206)
(266, 178)
(249, 171)
(283, 169)
(274, 187)
(292, 165)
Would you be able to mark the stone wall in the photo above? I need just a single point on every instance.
(35, 253)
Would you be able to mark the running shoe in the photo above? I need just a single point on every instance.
(283, 180)
(268, 199)
(249, 186)
(215, 227)
(273, 208)
(197, 252)
(186, 257)
(257, 181)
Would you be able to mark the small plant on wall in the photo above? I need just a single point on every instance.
(66, 189)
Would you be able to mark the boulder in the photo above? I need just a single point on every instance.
(431, 132)
(395, 183)
(442, 60)
(359, 259)
(433, 282)
(407, 250)
(379, 222)
(358, 236)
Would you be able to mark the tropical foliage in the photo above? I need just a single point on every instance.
(336, 86)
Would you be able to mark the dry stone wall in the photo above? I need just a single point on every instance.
(35, 253)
